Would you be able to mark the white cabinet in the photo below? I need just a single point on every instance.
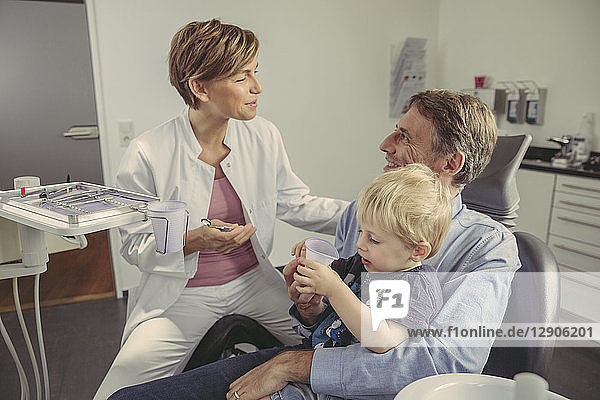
(574, 237)
(536, 190)
(564, 211)
(575, 223)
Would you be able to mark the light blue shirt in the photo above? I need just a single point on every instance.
(479, 257)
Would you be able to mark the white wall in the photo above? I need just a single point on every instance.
(324, 67)
(554, 42)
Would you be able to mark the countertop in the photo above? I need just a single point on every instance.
(538, 158)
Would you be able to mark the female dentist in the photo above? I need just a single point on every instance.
(230, 166)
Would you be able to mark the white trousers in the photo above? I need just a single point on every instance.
(161, 346)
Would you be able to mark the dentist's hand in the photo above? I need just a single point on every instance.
(205, 238)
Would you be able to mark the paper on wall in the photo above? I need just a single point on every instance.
(407, 73)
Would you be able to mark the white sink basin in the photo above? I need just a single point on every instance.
(463, 387)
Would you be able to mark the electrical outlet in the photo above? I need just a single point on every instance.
(125, 132)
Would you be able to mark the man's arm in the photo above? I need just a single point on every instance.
(347, 233)
(273, 375)
(295, 365)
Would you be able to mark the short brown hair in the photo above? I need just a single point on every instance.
(208, 50)
(410, 202)
(461, 122)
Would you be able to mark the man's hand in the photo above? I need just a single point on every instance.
(290, 269)
(298, 248)
(309, 305)
(288, 273)
(258, 382)
(206, 238)
(273, 375)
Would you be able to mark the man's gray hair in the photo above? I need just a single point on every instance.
(461, 122)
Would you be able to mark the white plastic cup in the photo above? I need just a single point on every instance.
(169, 223)
(26, 182)
(33, 241)
(321, 251)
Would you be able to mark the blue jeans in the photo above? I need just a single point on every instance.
(209, 382)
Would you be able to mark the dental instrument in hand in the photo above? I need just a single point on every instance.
(223, 228)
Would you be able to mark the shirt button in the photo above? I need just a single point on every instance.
(263, 257)
(228, 165)
(249, 211)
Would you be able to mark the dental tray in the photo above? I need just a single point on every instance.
(74, 208)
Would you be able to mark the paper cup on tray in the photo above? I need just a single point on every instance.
(169, 222)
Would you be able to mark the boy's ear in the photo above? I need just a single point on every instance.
(454, 163)
(420, 251)
(198, 88)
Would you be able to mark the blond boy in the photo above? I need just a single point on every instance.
(404, 215)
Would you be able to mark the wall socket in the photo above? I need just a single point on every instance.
(126, 133)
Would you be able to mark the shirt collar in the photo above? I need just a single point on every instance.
(188, 133)
(457, 205)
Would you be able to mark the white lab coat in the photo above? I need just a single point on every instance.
(164, 162)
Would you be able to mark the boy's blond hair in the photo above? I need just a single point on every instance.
(208, 50)
(410, 202)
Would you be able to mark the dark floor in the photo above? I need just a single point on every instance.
(81, 339)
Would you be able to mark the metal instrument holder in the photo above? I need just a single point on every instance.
(34, 216)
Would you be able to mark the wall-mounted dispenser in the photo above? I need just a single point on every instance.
(535, 102)
(515, 102)
(495, 99)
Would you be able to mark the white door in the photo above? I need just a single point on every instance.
(45, 87)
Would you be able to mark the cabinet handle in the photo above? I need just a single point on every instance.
(579, 222)
(581, 188)
(571, 203)
(583, 253)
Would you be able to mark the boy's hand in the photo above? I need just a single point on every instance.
(313, 277)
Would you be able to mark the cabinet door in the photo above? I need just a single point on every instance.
(536, 190)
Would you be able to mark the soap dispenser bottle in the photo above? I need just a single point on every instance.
(582, 140)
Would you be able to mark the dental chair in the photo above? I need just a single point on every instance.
(494, 192)
(230, 336)
(535, 298)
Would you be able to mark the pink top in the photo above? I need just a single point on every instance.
(215, 268)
